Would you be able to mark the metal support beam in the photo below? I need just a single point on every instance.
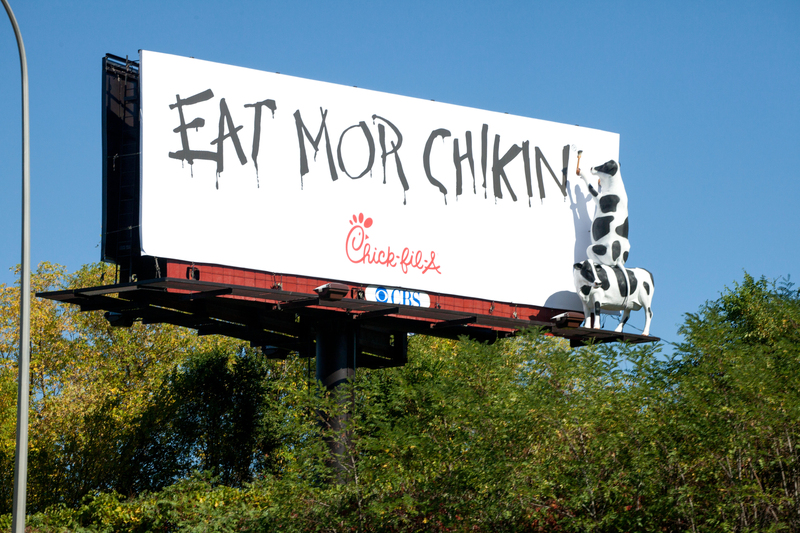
(205, 294)
(295, 304)
(454, 322)
(376, 312)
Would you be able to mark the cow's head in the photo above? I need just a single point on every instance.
(583, 273)
(606, 173)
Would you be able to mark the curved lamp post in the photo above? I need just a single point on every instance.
(21, 456)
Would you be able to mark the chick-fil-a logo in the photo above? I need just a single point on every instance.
(360, 251)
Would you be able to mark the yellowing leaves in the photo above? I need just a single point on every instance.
(80, 364)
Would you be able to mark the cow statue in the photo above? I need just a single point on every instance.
(610, 244)
(606, 287)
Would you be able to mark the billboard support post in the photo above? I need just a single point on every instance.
(21, 455)
(336, 347)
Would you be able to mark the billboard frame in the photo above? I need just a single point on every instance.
(141, 277)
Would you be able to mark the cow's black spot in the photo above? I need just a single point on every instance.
(608, 203)
(601, 273)
(599, 249)
(601, 227)
(646, 287)
(609, 167)
(622, 229)
(625, 257)
(621, 283)
(616, 248)
(586, 289)
(632, 279)
(587, 271)
(592, 191)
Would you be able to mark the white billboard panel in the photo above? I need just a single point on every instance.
(265, 171)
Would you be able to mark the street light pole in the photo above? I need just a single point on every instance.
(21, 455)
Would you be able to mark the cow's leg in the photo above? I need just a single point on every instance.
(587, 317)
(625, 315)
(596, 316)
(648, 316)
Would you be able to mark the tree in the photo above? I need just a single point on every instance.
(738, 408)
(91, 384)
(217, 413)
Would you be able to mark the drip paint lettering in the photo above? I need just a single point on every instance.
(500, 178)
(504, 158)
(304, 135)
(225, 120)
(257, 129)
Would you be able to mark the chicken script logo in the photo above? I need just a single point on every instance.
(358, 250)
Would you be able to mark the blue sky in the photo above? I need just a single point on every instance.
(704, 96)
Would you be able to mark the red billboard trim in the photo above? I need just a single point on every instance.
(301, 284)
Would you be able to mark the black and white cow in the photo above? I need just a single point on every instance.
(606, 287)
(610, 245)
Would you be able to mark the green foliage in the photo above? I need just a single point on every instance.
(214, 413)
(126, 409)
(738, 408)
(522, 435)
(197, 504)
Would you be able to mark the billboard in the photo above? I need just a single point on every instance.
(265, 171)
